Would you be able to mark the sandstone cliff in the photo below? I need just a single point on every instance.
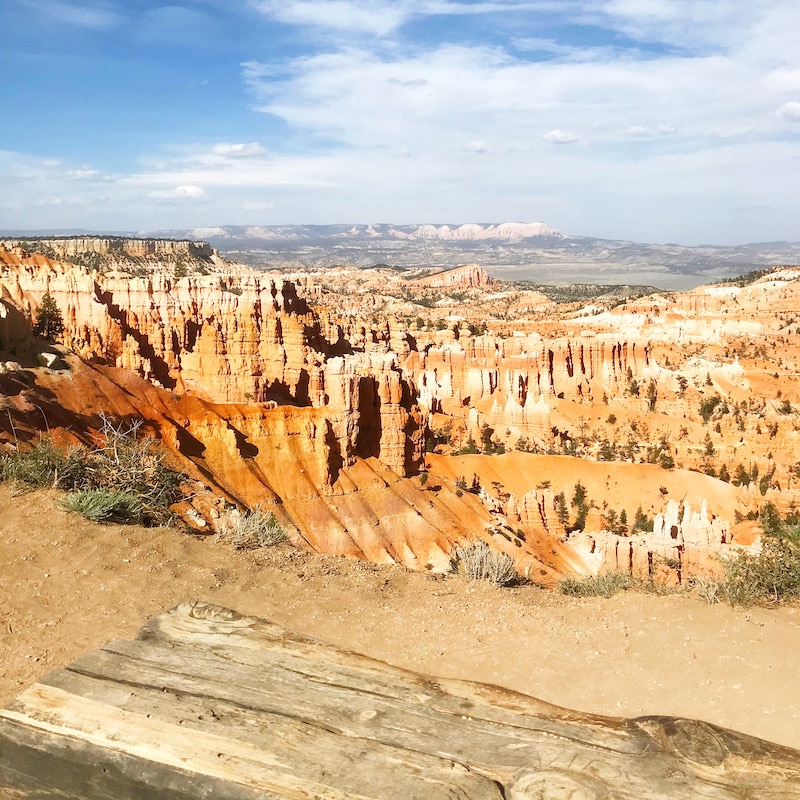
(469, 276)
(235, 339)
(125, 254)
(321, 402)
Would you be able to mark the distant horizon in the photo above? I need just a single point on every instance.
(156, 233)
(657, 121)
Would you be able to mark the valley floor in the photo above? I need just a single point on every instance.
(67, 586)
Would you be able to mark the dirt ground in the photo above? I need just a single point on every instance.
(67, 586)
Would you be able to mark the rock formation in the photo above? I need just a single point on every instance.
(126, 254)
(319, 395)
(469, 276)
(239, 339)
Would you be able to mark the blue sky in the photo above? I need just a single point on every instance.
(652, 120)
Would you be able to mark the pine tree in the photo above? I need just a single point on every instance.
(49, 322)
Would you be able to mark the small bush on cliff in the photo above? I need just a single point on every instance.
(469, 449)
(135, 462)
(45, 465)
(771, 575)
(124, 460)
(708, 406)
(253, 529)
(478, 562)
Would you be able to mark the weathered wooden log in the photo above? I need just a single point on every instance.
(206, 703)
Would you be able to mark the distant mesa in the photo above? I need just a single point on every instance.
(508, 231)
(67, 246)
(470, 232)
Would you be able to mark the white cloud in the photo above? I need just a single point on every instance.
(680, 23)
(568, 52)
(557, 136)
(381, 17)
(696, 111)
(247, 150)
(417, 117)
(187, 192)
(637, 131)
(790, 111)
(350, 15)
(439, 98)
(785, 79)
(82, 174)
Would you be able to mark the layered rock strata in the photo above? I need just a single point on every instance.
(243, 339)
(607, 384)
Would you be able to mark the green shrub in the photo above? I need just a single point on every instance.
(124, 459)
(46, 465)
(707, 587)
(104, 505)
(603, 585)
(641, 522)
(479, 562)
(708, 406)
(772, 574)
(49, 322)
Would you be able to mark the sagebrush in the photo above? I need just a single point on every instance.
(605, 584)
(126, 463)
(253, 528)
(478, 562)
(104, 505)
(45, 465)
(770, 575)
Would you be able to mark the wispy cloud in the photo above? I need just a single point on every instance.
(240, 150)
(687, 24)
(563, 110)
(380, 17)
(453, 95)
(83, 15)
(790, 111)
(703, 85)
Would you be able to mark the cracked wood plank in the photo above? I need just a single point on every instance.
(206, 703)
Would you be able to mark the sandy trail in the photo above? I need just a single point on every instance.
(67, 586)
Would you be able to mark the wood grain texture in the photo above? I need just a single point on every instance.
(206, 703)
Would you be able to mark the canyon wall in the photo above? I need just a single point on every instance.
(247, 338)
(302, 405)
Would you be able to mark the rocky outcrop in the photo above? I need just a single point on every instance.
(239, 339)
(469, 276)
(685, 540)
(472, 232)
(515, 382)
(71, 246)
(131, 256)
